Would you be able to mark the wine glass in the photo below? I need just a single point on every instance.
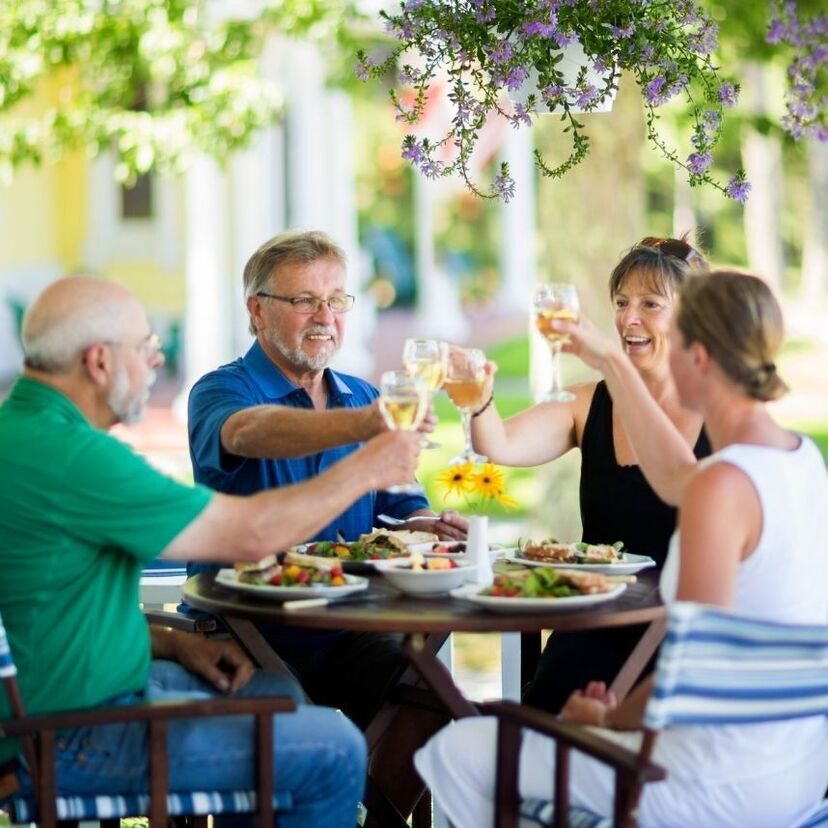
(403, 403)
(426, 358)
(556, 300)
(465, 384)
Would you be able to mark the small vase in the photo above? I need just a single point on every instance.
(477, 549)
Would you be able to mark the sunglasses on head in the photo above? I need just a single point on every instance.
(677, 248)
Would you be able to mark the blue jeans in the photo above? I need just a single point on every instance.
(319, 755)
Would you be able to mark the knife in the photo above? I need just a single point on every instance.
(314, 603)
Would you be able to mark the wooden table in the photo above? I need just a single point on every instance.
(426, 623)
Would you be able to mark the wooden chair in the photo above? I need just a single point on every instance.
(37, 738)
(714, 668)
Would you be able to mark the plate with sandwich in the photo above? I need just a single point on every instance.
(596, 557)
(292, 575)
(543, 589)
(371, 548)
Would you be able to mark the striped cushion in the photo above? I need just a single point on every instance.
(719, 668)
(541, 812)
(819, 818)
(7, 668)
(112, 807)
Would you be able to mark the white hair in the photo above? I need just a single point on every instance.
(53, 337)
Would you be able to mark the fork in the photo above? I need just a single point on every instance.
(392, 521)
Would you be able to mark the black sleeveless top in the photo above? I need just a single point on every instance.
(617, 503)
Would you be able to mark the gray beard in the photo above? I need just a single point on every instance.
(128, 408)
(301, 360)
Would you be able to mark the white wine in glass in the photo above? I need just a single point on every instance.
(556, 300)
(426, 359)
(403, 403)
(465, 384)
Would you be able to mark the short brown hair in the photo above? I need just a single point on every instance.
(287, 248)
(738, 320)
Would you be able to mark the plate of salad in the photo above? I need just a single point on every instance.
(541, 589)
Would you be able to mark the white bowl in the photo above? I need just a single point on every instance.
(424, 581)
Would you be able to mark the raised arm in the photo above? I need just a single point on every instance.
(663, 454)
(282, 432)
(542, 433)
(248, 528)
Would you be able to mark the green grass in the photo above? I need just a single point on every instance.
(511, 356)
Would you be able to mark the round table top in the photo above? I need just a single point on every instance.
(386, 610)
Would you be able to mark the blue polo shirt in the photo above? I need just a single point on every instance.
(255, 380)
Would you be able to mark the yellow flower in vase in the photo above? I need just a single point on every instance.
(456, 480)
(475, 486)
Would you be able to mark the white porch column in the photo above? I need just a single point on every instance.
(518, 223)
(258, 199)
(354, 356)
(321, 184)
(439, 313)
(207, 323)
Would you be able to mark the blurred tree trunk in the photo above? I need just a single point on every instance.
(814, 285)
(762, 157)
(585, 221)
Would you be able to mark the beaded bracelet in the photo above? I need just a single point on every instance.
(488, 403)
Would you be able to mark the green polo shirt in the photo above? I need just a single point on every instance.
(80, 514)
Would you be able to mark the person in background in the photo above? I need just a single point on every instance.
(280, 415)
(751, 516)
(81, 515)
(617, 503)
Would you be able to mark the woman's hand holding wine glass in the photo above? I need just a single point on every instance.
(555, 301)
(465, 384)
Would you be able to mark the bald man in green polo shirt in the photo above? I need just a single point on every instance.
(81, 515)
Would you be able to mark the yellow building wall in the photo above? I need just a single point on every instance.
(44, 218)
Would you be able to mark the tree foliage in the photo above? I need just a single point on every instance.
(156, 81)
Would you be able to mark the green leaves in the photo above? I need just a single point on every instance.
(153, 80)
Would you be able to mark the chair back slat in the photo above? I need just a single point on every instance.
(719, 668)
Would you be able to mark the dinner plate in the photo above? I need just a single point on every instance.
(471, 593)
(428, 549)
(630, 565)
(352, 567)
(230, 578)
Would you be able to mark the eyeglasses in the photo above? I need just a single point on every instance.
(149, 347)
(338, 303)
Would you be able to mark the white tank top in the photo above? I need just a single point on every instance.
(786, 577)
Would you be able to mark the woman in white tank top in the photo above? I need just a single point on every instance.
(751, 538)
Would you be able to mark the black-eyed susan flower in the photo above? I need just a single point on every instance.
(489, 482)
(456, 480)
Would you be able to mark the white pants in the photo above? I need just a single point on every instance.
(458, 764)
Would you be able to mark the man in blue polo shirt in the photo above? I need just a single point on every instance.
(246, 435)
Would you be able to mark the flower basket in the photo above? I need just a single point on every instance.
(505, 59)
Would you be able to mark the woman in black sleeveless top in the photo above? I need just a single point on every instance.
(617, 503)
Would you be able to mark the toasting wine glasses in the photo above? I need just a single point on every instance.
(403, 402)
(465, 384)
(426, 359)
(556, 300)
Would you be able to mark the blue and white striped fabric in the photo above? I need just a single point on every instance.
(719, 668)
(818, 819)
(7, 668)
(199, 803)
(541, 812)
